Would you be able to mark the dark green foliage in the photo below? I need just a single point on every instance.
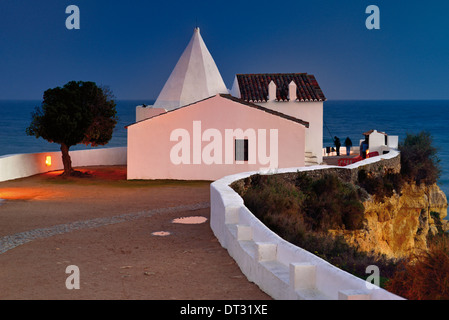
(302, 211)
(330, 203)
(326, 203)
(278, 204)
(419, 161)
(380, 186)
(394, 181)
(273, 195)
(79, 112)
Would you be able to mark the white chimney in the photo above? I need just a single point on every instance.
(292, 91)
(271, 91)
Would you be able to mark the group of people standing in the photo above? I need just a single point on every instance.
(348, 145)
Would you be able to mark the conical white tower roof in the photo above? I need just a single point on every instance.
(195, 77)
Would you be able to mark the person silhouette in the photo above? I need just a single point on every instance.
(348, 144)
(364, 148)
(337, 144)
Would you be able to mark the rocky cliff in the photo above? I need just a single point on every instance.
(401, 225)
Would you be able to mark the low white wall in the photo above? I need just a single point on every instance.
(281, 269)
(27, 164)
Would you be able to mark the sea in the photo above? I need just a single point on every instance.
(342, 118)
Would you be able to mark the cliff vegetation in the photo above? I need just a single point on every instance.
(390, 214)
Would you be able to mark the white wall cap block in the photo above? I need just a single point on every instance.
(244, 233)
(353, 295)
(302, 275)
(266, 251)
(232, 215)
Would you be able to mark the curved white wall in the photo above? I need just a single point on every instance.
(282, 270)
(279, 268)
(27, 164)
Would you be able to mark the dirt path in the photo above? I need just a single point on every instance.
(112, 242)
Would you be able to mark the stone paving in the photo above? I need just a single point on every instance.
(12, 241)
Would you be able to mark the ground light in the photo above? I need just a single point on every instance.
(48, 161)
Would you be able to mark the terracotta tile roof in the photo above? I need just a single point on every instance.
(254, 87)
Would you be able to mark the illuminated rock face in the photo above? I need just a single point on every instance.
(195, 77)
(400, 225)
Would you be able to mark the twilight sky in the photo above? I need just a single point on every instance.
(132, 46)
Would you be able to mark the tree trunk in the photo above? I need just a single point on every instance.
(67, 162)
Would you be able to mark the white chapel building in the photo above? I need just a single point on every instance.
(197, 129)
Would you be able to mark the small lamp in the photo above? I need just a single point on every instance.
(48, 161)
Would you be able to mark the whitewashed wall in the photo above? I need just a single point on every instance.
(28, 164)
(279, 268)
(311, 112)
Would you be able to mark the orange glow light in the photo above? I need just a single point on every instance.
(48, 161)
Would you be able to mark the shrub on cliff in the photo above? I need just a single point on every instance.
(380, 186)
(419, 161)
(321, 204)
(272, 195)
(277, 203)
(330, 203)
(427, 278)
(302, 211)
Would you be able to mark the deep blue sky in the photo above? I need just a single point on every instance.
(132, 46)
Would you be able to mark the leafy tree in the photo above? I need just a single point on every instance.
(79, 112)
(419, 160)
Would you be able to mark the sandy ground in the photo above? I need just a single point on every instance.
(119, 261)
